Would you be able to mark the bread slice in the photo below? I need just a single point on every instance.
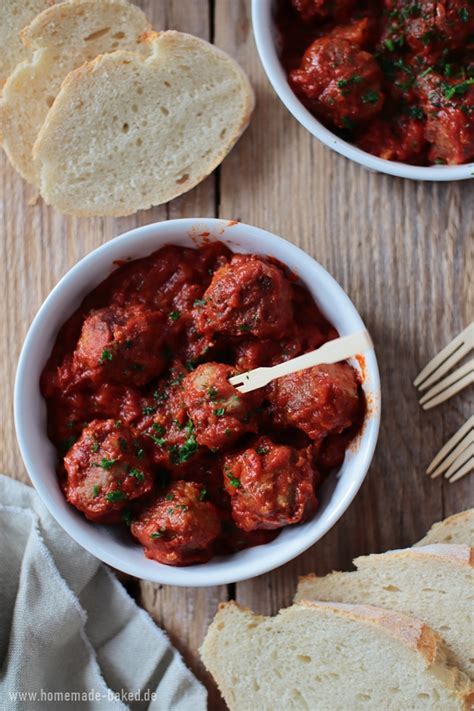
(434, 583)
(14, 16)
(61, 39)
(128, 132)
(454, 529)
(330, 657)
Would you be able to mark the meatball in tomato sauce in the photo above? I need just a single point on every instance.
(341, 82)
(270, 485)
(121, 345)
(324, 9)
(319, 401)
(104, 471)
(248, 296)
(180, 527)
(219, 412)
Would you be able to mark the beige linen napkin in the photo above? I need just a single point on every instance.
(70, 635)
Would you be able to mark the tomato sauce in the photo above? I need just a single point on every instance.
(148, 429)
(394, 77)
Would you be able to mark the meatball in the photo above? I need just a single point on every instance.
(248, 296)
(431, 26)
(219, 412)
(121, 345)
(319, 400)
(449, 105)
(321, 10)
(105, 471)
(165, 429)
(180, 527)
(270, 485)
(340, 82)
(402, 139)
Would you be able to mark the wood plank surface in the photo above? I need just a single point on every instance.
(402, 250)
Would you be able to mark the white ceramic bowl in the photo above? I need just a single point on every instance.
(113, 544)
(266, 39)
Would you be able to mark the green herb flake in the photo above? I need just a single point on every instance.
(213, 394)
(244, 328)
(158, 534)
(175, 315)
(123, 444)
(149, 410)
(183, 507)
(106, 356)
(233, 481)
(106, 463)
(261, 450)
(219, 412)
(114, 496)
(202, 494)
(200, 302)
(95, 491)
(463, 13)
(139, 475)
(95, 446)
(390, 45)
(127, 517)
(169, 497)
(371, 97)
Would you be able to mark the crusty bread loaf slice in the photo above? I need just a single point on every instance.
(330, 657)
(61, 39)
(14, 16)
(128, 132)
(454, 529)
(434, 583)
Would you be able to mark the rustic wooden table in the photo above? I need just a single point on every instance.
(400, 249)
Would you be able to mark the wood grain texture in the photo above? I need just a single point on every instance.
(403, 251)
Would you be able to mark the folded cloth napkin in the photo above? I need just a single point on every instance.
(70, 635)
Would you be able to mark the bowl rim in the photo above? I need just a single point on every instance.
(263, 33)
(70, 521)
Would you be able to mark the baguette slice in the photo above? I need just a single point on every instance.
(61, 39)
(128, 132)
(330, 657)
(454, 529)
(14, 16)
(434, 583)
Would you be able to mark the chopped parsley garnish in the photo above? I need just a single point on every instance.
(95, 446)
(123, 444)
(200, 302)
(179, 455)
(106, 463)
(390, 45)
(149, 410)
(183, 507)
(175, 315)
(233, 481)
(118, 424)
(202, 494)
(95, 490)
(158, 534)
(371, 97)
(106, 355)
(139, 475)
(158, 428)
(244, 327)
(463, 13)
(415, 112)
(127, 517)
(159, 441)
(354, 79)
(116, 495)
(347, 123)
(169, 497)
(450, 91)
(213, 393)
(219, 412)
(261, 450)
